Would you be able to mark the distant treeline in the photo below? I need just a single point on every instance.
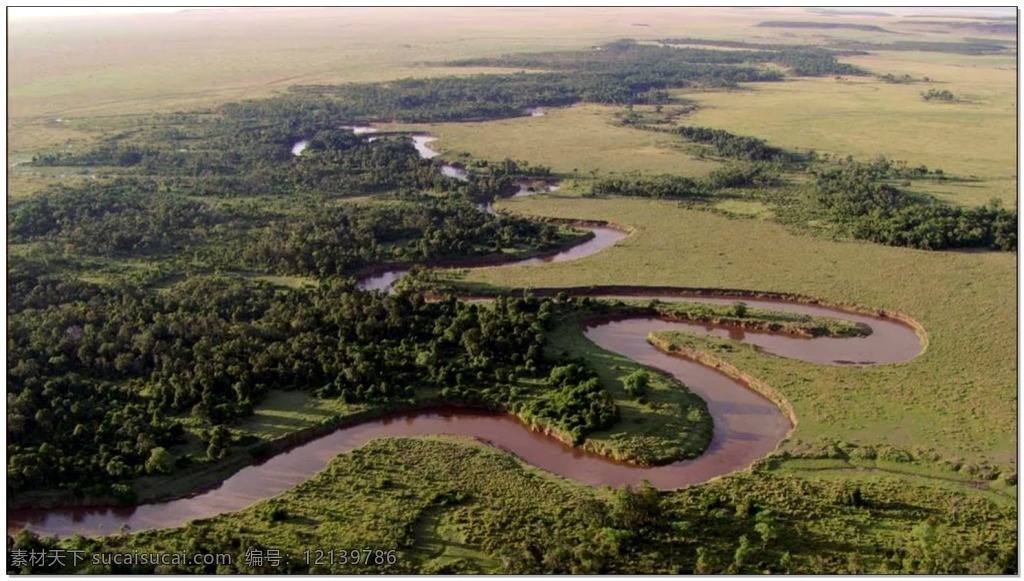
(677, 67)
(725, 144)
(673, 187)
(848, 47)
(664, 186)
(824, 25)
(472, 98)
(799, 48)
(974, 47)
(622, 72)
(979, 27)
(731, 145)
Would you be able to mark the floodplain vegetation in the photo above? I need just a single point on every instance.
(437, 503)
(201, 273)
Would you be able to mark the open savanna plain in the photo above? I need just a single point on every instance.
(865, 117)
(908, 467)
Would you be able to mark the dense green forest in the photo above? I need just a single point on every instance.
(130, 218)
(860, 199)
(245, 149)
(99, 376)
(169, 198)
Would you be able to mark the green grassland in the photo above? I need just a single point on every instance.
(860, 116)
(759, 319)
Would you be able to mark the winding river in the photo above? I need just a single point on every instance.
(747, 426)
(603, 238)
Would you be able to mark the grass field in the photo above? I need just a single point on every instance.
(974, 139)
(285, 412)
(572, 141)
(865, 117)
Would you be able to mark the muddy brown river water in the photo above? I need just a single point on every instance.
(603, 238)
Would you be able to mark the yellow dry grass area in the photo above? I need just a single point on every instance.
(959, 397)
(578, 139)
(20, 187)
(27, 136)
(132, 63)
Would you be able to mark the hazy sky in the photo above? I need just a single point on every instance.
(35, 12)
(38, 12)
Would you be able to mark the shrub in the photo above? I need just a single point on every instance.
(123, 493)
(936, 95)
(636, 383)
(277, 514)
(739, 309)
